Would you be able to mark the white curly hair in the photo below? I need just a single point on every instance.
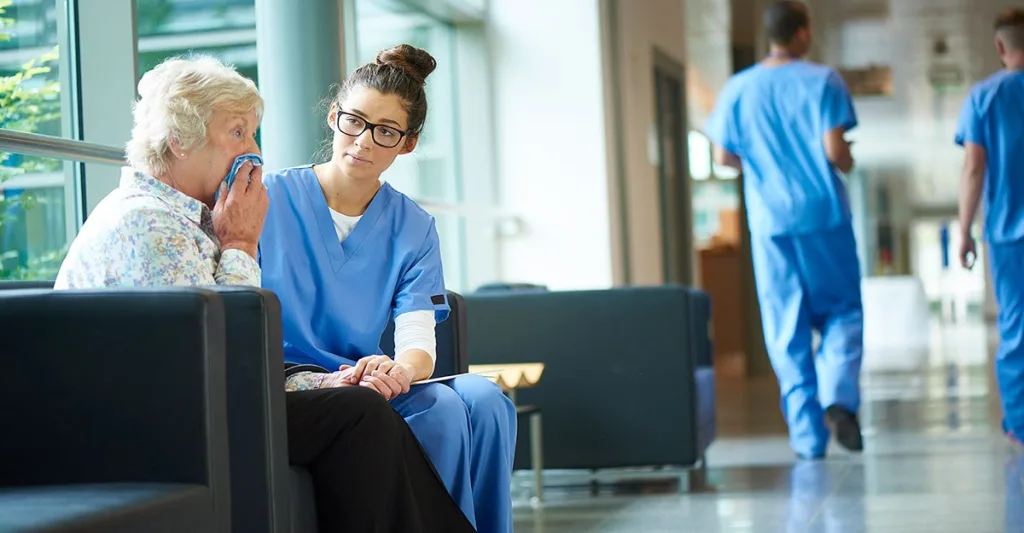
(177, 100)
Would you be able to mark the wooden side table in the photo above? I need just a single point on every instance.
(511, 378)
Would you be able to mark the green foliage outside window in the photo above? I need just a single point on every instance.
(29, 101)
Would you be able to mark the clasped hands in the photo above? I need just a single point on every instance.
(378, 372)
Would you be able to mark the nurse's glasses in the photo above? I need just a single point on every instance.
(354, 126)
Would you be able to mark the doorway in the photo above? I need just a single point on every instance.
(670, 138)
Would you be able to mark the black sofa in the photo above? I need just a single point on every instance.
(628, 378)
(266, 494)
(113, 408)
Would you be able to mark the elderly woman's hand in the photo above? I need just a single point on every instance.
(239, 213)
(335, 380)
(382, 374)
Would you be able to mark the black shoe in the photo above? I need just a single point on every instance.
(845, 427)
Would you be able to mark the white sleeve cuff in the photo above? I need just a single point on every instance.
(415, 331)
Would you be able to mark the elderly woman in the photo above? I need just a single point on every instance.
(174, 221)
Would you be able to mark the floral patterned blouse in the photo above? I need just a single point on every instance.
(147, 233)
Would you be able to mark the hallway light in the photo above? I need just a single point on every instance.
(699, 151)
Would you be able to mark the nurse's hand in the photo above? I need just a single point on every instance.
(367, 365)
(387, 385)
(381, 373)
(968, 252)
(239, 212)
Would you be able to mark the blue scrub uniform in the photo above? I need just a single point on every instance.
(804, 251)
(991, 118)
(336, 298)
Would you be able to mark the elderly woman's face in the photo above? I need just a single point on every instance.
(228, 136)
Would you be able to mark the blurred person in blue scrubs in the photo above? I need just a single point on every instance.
(991, 130)
(345, 252)
(782, 123)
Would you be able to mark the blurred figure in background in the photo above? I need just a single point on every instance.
(782, 123)
(991, 130)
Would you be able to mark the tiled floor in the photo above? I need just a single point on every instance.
(934, 463)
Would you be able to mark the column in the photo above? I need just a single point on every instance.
(300, 53)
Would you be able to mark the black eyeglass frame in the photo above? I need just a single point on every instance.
(367, 125)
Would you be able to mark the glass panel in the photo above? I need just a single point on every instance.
(225, 29)
(451, 232)
(33, 214)
(429, 173)
(185, 17)
(33, 234)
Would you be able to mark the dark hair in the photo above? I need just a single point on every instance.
(401, 71)
(1009, 26)
(783, 19)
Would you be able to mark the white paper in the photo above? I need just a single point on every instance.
(453, 376)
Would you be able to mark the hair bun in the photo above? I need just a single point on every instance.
(417, 63)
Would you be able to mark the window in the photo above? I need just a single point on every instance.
(34, 216)
(225, 29)
(222, 28)
(431, 174)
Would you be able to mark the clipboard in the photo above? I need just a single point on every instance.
(453, 376)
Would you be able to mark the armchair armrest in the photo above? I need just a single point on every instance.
(452, 339)
(122, 385)
(257, 420)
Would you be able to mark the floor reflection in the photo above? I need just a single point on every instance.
(934, 462)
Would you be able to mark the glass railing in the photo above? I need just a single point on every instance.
(47, 146)
(37, 213)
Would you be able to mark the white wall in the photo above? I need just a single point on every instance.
(709, 55)
(642, 26)
(914, 128)
(550, 148)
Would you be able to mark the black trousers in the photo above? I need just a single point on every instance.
(369, 471)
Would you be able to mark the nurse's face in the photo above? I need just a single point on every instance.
(228, 135)
(369, 133)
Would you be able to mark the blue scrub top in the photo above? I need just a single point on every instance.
(993, 118)
(336, 297)
(774, 119)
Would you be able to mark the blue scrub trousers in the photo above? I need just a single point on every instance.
(1007, 263)
(468, 429)
(811, 282)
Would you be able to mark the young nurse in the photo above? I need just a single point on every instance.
(344, 252)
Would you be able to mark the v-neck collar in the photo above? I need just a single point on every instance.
(341, 252)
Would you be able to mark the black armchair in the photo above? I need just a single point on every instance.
(114, 410)
(628, 378)
(267, 496)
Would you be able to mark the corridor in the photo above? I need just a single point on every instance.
(934, 462)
